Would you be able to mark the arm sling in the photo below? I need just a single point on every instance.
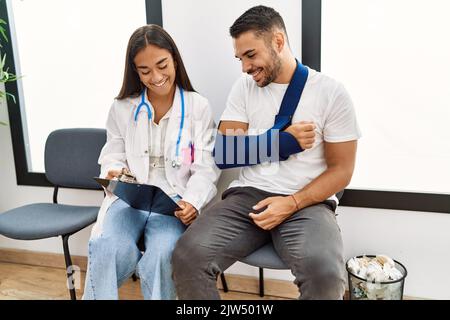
(271, 146)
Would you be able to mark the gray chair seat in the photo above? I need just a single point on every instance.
(265, 257)
(44, 220)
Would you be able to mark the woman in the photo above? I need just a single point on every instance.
(160, 130)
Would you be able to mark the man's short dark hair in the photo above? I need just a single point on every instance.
(260, 19)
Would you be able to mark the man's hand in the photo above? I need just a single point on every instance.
(303, 131)
(278, 209)
(188, 213)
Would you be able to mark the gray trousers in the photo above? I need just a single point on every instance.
(309, 242)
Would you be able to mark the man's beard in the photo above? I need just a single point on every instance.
(273, 70)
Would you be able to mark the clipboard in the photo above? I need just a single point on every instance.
(141, 196)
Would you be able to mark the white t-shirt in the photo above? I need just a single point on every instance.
(157, 172)
(324, 101)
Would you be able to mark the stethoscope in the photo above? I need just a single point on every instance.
(176, 163)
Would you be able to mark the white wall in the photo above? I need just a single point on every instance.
(420, 241)
(206, 46)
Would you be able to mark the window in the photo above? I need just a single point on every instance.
(392, 57)
(72, 60)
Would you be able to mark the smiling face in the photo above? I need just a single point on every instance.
(156, 69)
(258, 56)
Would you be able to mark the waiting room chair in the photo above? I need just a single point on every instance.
(71, 157)
(264, 257)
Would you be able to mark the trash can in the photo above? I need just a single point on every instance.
(362, 289)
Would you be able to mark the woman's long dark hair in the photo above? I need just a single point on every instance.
(141, 38)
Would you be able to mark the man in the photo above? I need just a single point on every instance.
(290, 202)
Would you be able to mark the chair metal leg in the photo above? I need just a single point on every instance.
(69, 268)
(261, 282)
(224, 282)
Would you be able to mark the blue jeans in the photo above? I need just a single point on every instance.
(114, 255)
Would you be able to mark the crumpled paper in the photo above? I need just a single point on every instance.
(374, 270)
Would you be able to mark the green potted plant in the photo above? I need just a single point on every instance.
(5, 76)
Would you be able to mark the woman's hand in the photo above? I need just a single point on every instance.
(113, 174)
(116, 173)
(188, 213)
